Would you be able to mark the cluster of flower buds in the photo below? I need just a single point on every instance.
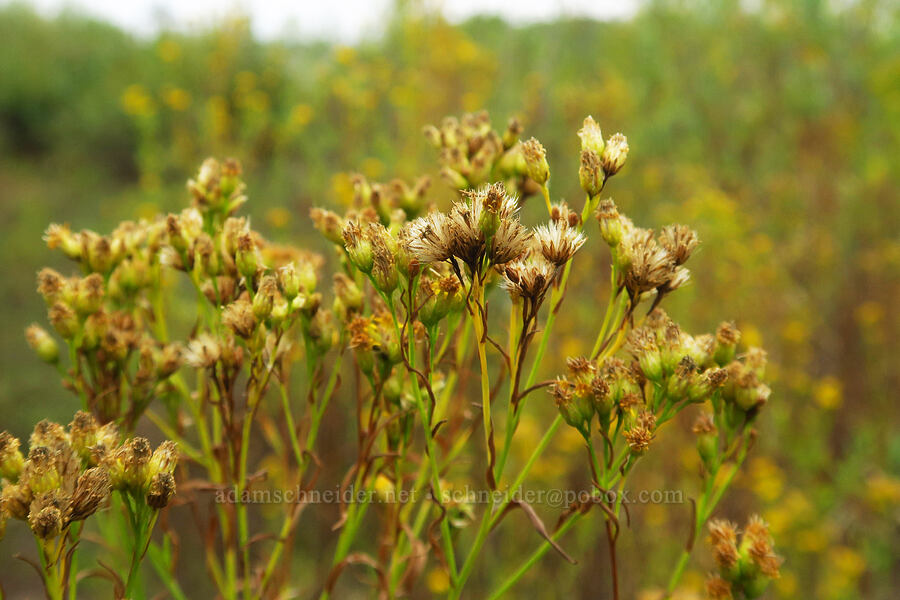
(61, 481)
(218, 187)
(599, 160)
(611, 391)
(375, 344)
(108, 334)
(745, 566)
(135, 468)
(125, 260)
(646, 264)
(681, 364)
(387, 198)
(472, 154)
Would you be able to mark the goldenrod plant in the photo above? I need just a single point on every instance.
(419, 297)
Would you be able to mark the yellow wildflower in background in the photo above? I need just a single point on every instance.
(177, 98)
(829, 392)
(136, 101)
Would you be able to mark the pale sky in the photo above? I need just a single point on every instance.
(343, 20)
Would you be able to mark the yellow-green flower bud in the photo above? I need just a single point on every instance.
(537, 168)
(614, 154)
(11, 460)
(591, 137)
(42, 343)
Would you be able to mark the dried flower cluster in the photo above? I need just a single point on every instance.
(408, 309)
(747, 565)
(69, 475)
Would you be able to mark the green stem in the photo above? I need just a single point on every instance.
(491, 517)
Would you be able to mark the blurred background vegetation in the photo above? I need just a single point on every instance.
(774, 131)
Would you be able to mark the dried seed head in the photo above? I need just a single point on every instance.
(680, 241)
(239, 318)
(49, 434)
(725, 555)
(160, 490)
(90, 493)
(203, 351)
(83, 434)
(46, 523)
(15, 498)
(576, 411)
(580, 366)
(430, 238)
(728, 334)
(558, 242)
(528, 278)
(563, 214)
(648, 265)
(722, 532)
(718, 589)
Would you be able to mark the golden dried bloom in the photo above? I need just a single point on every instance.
(718, 589)
(614, 154)
(90, 493)
(46, 523)
(83, 434)
(757, 529)
(558, 242)
(726, 555)
(639, 438)
(722, 531)
(49, 434)
(128, 464)
(15, 498)
(239, 318)
(580, 366)
(728, 334)
(680, 241)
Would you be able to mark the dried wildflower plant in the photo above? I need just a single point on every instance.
(407, 312)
